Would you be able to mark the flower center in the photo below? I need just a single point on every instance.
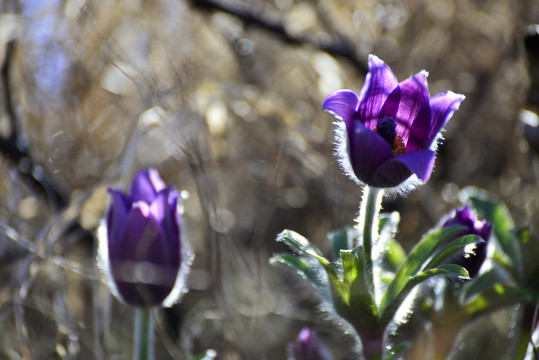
(386, 129)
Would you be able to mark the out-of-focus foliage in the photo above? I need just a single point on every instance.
(227, 108)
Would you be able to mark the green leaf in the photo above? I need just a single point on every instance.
(447, 269)
(498, 297)
(394, 256)
(388, 222)
(478, 285)
(393, 306)
(503, 225)
(339, 240)
(351, 266)
(415, 262)
(312, 273)
(453, 247)
(207, 355)
(359, 296)
(300, 243)
(396, 351)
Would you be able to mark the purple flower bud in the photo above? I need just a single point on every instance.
(142, 253)
(390, 131)
(470, 260)
(307, 347)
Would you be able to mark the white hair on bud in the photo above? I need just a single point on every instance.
(103, 262)
(342, 151)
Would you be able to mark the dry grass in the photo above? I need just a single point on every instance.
(229, 112)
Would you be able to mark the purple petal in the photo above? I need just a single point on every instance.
(117, 215)
(157, 183)
(442, 106)
(306, 346)
(420, 163)
(145, 185)
(483, 229)
(472, 226)
(164, 213)
(159, 206)
(143, 244)
(342, 104)
(405, 102)
(395, 171)
(171, 228)
(367, 151)
(390, 174)
(419, 132)
(379, 83)
(134, 225)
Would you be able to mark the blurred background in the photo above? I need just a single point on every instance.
(223, 98)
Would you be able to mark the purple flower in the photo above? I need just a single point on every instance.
(472, 259)
(143, 251)
(307, 347)
(391, 129)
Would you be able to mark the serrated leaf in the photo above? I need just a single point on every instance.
(415, 262)
(453, 247)
(312, 273)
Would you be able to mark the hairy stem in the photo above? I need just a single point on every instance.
(143, 334)
(368, 222)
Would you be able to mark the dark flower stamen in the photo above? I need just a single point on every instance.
(386, 129)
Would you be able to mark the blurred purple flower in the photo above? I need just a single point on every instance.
(470, 260)
(143, 241)
(307, 347)
(391, 129)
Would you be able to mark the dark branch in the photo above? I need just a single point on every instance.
(333, 45)
(13, 149)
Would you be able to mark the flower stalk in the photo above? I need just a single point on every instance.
(143, 334)
(368, 222)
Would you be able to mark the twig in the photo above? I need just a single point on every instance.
(12, 147)
(333, 45)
